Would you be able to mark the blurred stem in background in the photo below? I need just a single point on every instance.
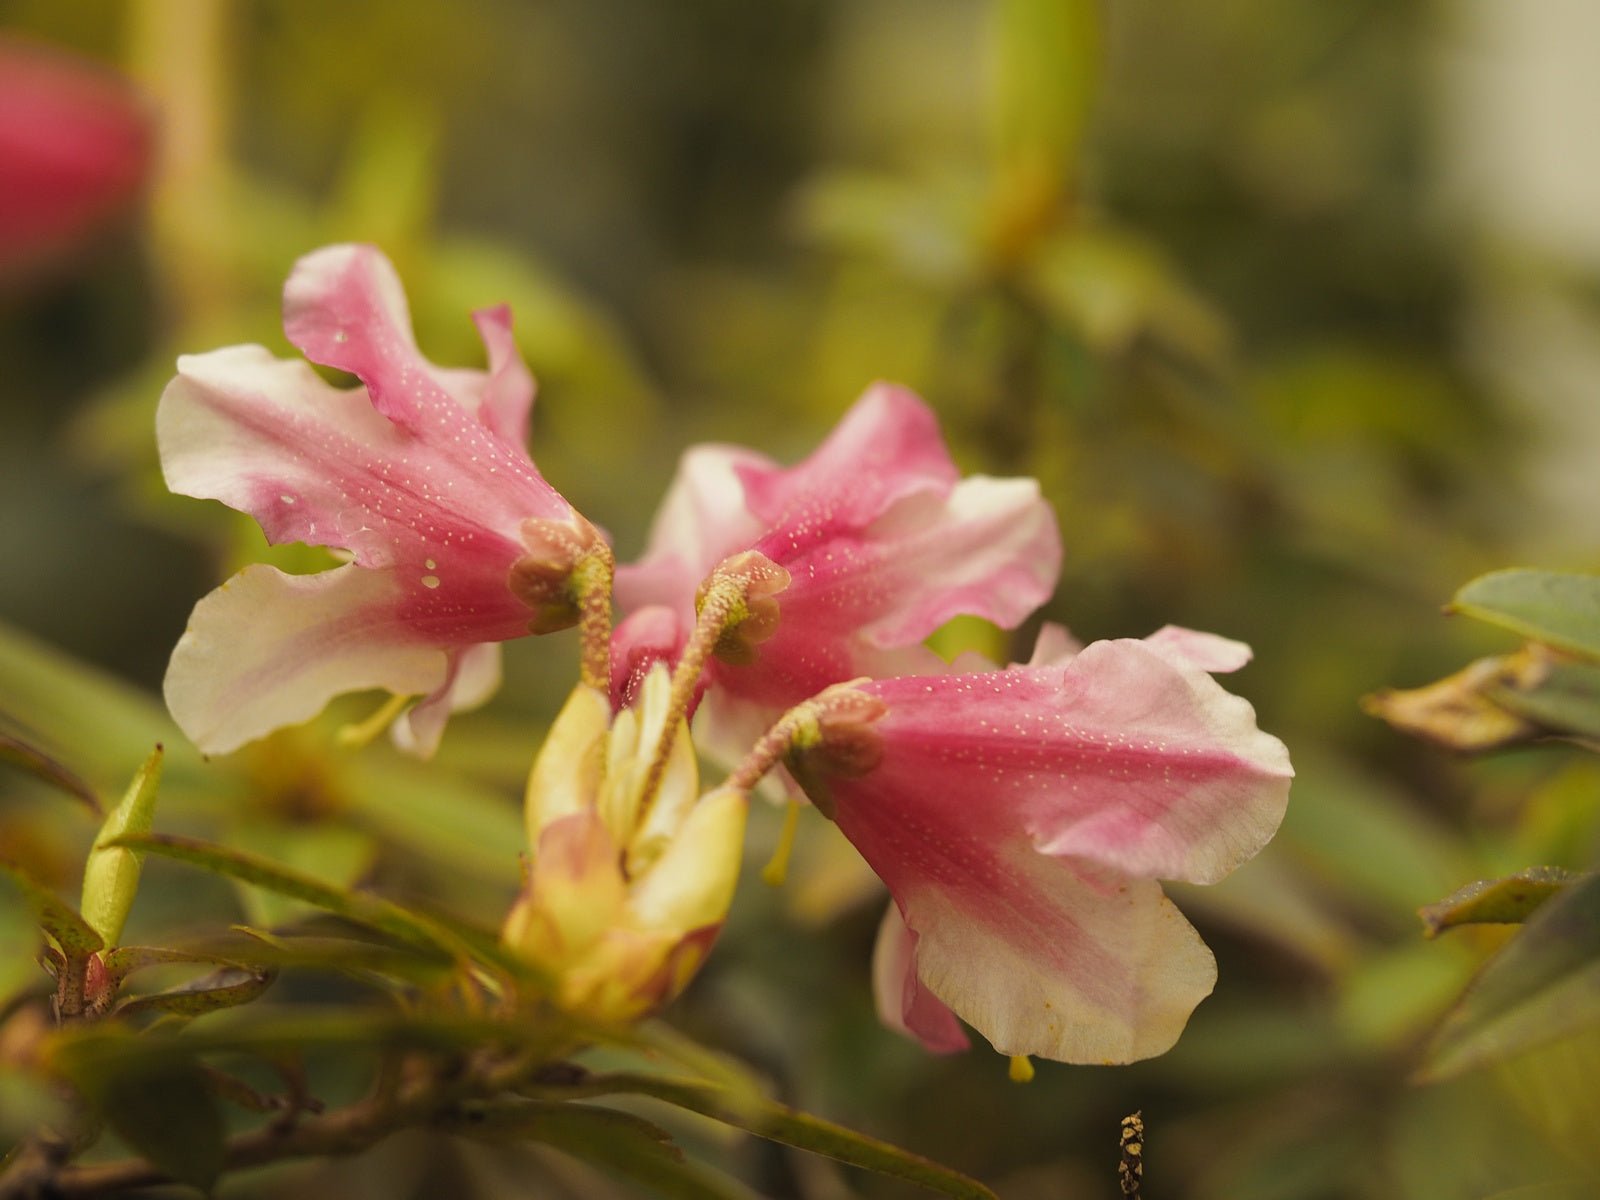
(180, 50)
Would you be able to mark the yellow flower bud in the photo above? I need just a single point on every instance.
(631, 872)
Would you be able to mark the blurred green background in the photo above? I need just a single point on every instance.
(1291, 307)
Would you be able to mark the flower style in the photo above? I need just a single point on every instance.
(631, 871)
(881, 540)
(421, 476)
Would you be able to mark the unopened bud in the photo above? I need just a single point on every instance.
(574, 893)
(566, 774)
(111, 874)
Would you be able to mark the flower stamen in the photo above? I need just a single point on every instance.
(777, 869)
(359, 733)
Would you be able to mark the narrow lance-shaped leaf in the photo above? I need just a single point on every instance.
(223, 988)
(1565, 700)
(54, 915)
(35, 761)
(778, 1123)
(1557, 608)
(19, 946)
(450, 938)
(111, 876)
(619, 1143)
(163, 1109)
(1545, 984)
(1510, 900)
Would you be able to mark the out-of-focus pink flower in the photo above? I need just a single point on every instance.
(75, 143)
(883, 542)
(421, 475)
(1022, 820)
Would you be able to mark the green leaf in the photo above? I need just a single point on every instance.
(54, 915)
(1510, 900)
(776, 1122)
(163, 1110)
(619, 1143)
(111, 875)
(224, 988)
(28, 1102)
(36, 762)
(336, 854)
(109, 723)
(1110, 288)
(126, 960)
(372, 911)
(1565, 700)
(270, 1032)
(372, 962)
(19, 946)
(1543, 985)
(1558, 608)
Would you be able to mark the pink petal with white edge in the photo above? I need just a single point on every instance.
(271, 438)
(990, 549)
(502, 397)
(267, 649)
(1120, 758)
(343, 307)
(1018, 944)
(702, 521)
(887, 447)
(883, 546)
(1203, 651)
(1182, 647)
(473, 676)
(1053, 967)
(903, 1004)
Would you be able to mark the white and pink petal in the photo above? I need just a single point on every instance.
(702, 520)
(904, 1004)
(472, 677)
(267, 650)
(1119, 758)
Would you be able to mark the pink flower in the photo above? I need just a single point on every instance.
(421, 476)
(75, 143)
(1021, 820)
(882, 540)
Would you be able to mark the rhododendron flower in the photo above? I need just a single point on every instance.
(882, 543)
(421, 476)
(1022, 820)
(75, 144)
